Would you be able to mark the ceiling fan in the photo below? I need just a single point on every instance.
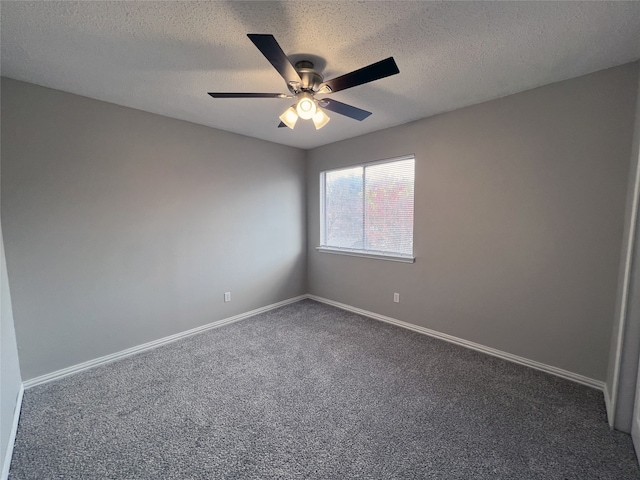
(304, 82)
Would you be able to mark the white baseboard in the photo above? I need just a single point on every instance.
(416, 328)
(151, 345)
(590, 382)
(12, 437)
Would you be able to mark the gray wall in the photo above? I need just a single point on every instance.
(122, 227)
(518, 221)
(10, 380)
(625, 386)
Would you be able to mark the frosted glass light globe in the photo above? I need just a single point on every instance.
(306, 106)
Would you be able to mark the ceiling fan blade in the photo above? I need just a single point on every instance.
(280, 125)
(271, 50)
(344, 109)
(375, 71)
(248, 95)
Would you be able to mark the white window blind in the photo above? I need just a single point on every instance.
(368, 209)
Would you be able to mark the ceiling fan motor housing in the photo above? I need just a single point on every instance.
(311, 79)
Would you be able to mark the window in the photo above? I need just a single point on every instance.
(367, 210)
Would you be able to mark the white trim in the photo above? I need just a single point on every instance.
(416, 328)
(324, 248)
(12, 436)
(590, 382)
(323, 209)
(401, 158)
(613, 403)
(151, 345)
(394, 257)
(607, 405)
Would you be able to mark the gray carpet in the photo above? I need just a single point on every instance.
(310, 391)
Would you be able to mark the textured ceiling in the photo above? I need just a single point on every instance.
(163, 57)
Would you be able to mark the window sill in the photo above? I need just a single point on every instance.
(394, 257)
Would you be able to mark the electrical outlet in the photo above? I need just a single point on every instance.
(227, 296)
(396, 297)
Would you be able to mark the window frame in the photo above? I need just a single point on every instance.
(375, 254)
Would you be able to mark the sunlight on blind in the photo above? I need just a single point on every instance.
(370, 208)
(344, 219)
(389, 207)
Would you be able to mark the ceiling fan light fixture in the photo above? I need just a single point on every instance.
(306, 106)
(289, 117)
(320, 119)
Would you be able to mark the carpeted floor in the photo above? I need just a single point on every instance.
(309, 391)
